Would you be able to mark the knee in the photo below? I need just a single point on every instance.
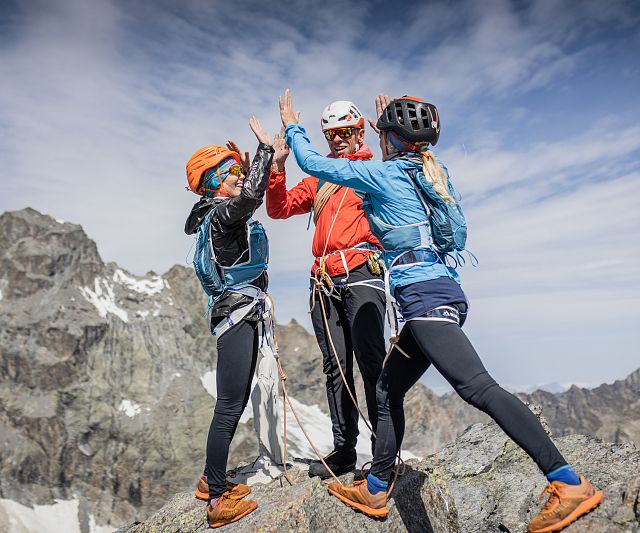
(478, 391)
(386, 398)
(228, 413)
(370, 371)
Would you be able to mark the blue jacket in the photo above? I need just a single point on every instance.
(392, 197)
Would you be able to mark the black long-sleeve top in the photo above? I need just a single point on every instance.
(229, 228)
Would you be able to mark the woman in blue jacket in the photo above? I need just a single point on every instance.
(433, 305)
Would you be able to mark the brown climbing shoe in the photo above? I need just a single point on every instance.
(359, 497)
(565, 505)
(236, 491)
(227, 510)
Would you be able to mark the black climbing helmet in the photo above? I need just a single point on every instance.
(412, 119)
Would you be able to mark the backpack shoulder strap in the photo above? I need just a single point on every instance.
(415, 181)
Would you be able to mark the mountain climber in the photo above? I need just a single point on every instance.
(433, 305)
(240, 248)
(347, 291)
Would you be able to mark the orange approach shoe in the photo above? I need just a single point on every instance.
(227, 510)
(565, 505)
(236, 491)
(359, 497)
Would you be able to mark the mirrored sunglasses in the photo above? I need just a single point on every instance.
(236, 170)
(344, 133)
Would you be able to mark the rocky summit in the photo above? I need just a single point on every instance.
(107, 390)
(481, 483)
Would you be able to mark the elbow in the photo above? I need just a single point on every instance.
(275, 212)
(307, 165)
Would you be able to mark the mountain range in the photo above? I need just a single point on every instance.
(105, 384)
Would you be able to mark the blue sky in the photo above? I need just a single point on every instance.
(102, 103)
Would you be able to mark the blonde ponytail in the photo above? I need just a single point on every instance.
(435, 176)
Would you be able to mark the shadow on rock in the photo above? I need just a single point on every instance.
(424, 505)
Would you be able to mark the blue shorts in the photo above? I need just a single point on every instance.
(417, 299)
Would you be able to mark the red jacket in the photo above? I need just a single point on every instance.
(350, 228)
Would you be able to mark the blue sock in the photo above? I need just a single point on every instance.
(376, 485)
(564, 474)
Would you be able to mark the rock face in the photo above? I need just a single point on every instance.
(479, 484)
(103, 379)
(100, 375)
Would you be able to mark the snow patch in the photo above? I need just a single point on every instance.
(316, 423)
(60, 221)
(129, 408)
(150, 286)
(178, 375)
(261, 471)
(59, 517)
(103, 298)
(318, 427)
(264, 470)
(208, 380)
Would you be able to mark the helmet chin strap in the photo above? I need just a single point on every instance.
(388, 150)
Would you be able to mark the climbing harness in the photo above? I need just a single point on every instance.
(216, 278)
(258, 298)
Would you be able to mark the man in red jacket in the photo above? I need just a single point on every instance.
(345, 277)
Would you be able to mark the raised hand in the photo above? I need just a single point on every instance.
(259, 131)
(244, 157)
(382, 101)
(282, 151)
(287, 114)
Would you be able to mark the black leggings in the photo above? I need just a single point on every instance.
(237, 355)
(355, 321)
(445, 345)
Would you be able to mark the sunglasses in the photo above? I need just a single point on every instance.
(236, 170)
(344, 133)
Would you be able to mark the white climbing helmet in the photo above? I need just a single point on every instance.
(341, 114)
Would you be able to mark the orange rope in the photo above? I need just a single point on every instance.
(285, 392)
(283, 379)
(283, 376)
(335, 353)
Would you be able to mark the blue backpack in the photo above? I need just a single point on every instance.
(448, 225)
(215, 278)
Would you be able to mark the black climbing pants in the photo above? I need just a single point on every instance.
(237, 356)
(444, 345)
(355, 322)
